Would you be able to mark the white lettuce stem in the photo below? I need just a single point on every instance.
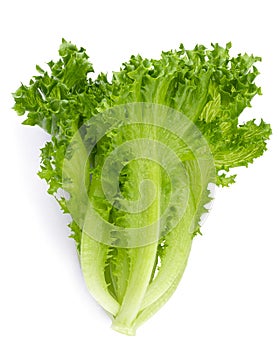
(141, 269)
(162, 298)
(142, 261)
(173, 262)
(93, 258)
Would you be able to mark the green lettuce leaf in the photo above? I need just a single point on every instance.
(134, 157)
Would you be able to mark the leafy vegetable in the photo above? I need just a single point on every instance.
(136, 157)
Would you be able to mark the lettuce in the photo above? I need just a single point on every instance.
(134, 161)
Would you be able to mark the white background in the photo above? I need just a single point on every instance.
(229, 296)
